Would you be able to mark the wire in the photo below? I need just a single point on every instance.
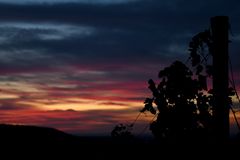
(235, 90)
(146, 127)
(133, 123)
(235, 117)
(232, 80)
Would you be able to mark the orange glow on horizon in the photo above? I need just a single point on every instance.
(79, 104)
(61, 96)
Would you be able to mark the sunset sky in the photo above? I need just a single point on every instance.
(82, 66)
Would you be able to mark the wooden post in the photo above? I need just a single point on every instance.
(220, 26)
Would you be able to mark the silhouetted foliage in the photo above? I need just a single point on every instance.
(182, 98)
(197, 46)
(122, 131)
(182, 102)
(148, 106)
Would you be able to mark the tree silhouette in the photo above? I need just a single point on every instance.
(184, 104)
(122, 131)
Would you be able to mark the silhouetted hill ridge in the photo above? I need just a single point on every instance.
(32, 134)
(42, 141)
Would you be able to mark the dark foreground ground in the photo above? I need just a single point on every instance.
(31, 142)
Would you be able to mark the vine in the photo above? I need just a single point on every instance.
(182, 98)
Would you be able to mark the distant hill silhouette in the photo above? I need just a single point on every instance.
(33, 141)
(32, 135)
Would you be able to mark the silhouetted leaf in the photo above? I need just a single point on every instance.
(161, 74)
(230, 101)
(199, 69)
(148, 101)
(162, 84)
(196, 60)
(202, 82)
(153, 88)
(152, 110)
(148, 107)
(231, 91)
(211, 100)
(209, 70)
(210, 91)
(151, 82)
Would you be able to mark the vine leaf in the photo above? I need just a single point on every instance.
(148, 106)
(231, 91)
(199, 69)
(202, 82)
(195, 59)
(209, 70)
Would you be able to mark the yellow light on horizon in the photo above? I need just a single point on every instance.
(79, 104)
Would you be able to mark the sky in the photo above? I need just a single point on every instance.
(82, 66)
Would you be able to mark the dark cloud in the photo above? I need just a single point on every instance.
(139, 31)
(121, 15)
